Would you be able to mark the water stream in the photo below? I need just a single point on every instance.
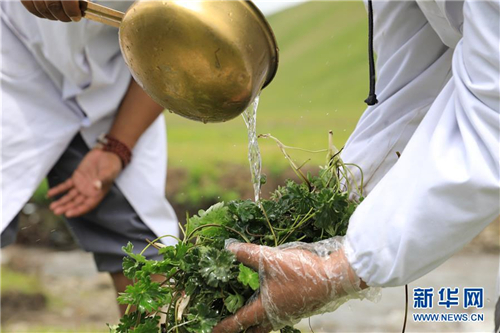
(250, 117)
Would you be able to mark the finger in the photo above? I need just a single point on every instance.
(61, 188)
(72, 9)
(64, 200)
(249, 315)
(83, 208)
(30, 6)
(56, 9)
(42, 9)
(77, 200)
(247, 254)
(63, 209)
(80, 200)
(264, 328)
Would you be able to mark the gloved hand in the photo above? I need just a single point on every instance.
(297, 280)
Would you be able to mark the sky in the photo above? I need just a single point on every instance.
(270, 7)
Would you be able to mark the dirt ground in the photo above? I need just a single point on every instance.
(71, 296)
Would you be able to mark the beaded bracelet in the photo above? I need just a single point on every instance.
(112, 145)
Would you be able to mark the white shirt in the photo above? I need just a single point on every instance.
(59, 79)
(438, 89)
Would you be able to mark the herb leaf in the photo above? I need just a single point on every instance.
(234, 302)
(248, 277)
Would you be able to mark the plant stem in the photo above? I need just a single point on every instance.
(296, 225)
(292, 164)
(176, 327)
(220, 226)
(157, 239)
(269, 224)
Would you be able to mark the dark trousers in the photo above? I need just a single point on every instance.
(497, 317)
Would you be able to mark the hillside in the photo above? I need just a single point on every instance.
(321, 83)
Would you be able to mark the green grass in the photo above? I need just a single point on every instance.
(321, 83)
(16, 281)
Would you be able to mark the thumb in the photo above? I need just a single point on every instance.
(247, 254)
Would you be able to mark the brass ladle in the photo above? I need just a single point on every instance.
(204, 60)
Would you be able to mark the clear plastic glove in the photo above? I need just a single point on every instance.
(297, 280)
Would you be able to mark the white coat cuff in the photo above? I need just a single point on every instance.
(359, 263)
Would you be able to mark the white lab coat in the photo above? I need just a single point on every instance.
(438, 89)
(59, 79)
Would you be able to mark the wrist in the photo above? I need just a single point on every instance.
(127, 138)
(345, 282)
(351, 275)
(109, 143)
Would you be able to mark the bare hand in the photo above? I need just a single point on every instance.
(56, 10)
(297, 281)
(88, 185)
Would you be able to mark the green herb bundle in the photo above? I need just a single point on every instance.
(200, 283)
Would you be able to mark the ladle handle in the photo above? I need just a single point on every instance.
(99, 13)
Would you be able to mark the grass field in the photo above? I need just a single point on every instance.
(321, 83)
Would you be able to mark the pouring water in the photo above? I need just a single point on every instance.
(250, 118)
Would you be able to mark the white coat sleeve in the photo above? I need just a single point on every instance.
(445, 188)
(413, 65)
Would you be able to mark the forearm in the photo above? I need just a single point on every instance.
(135, 114)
